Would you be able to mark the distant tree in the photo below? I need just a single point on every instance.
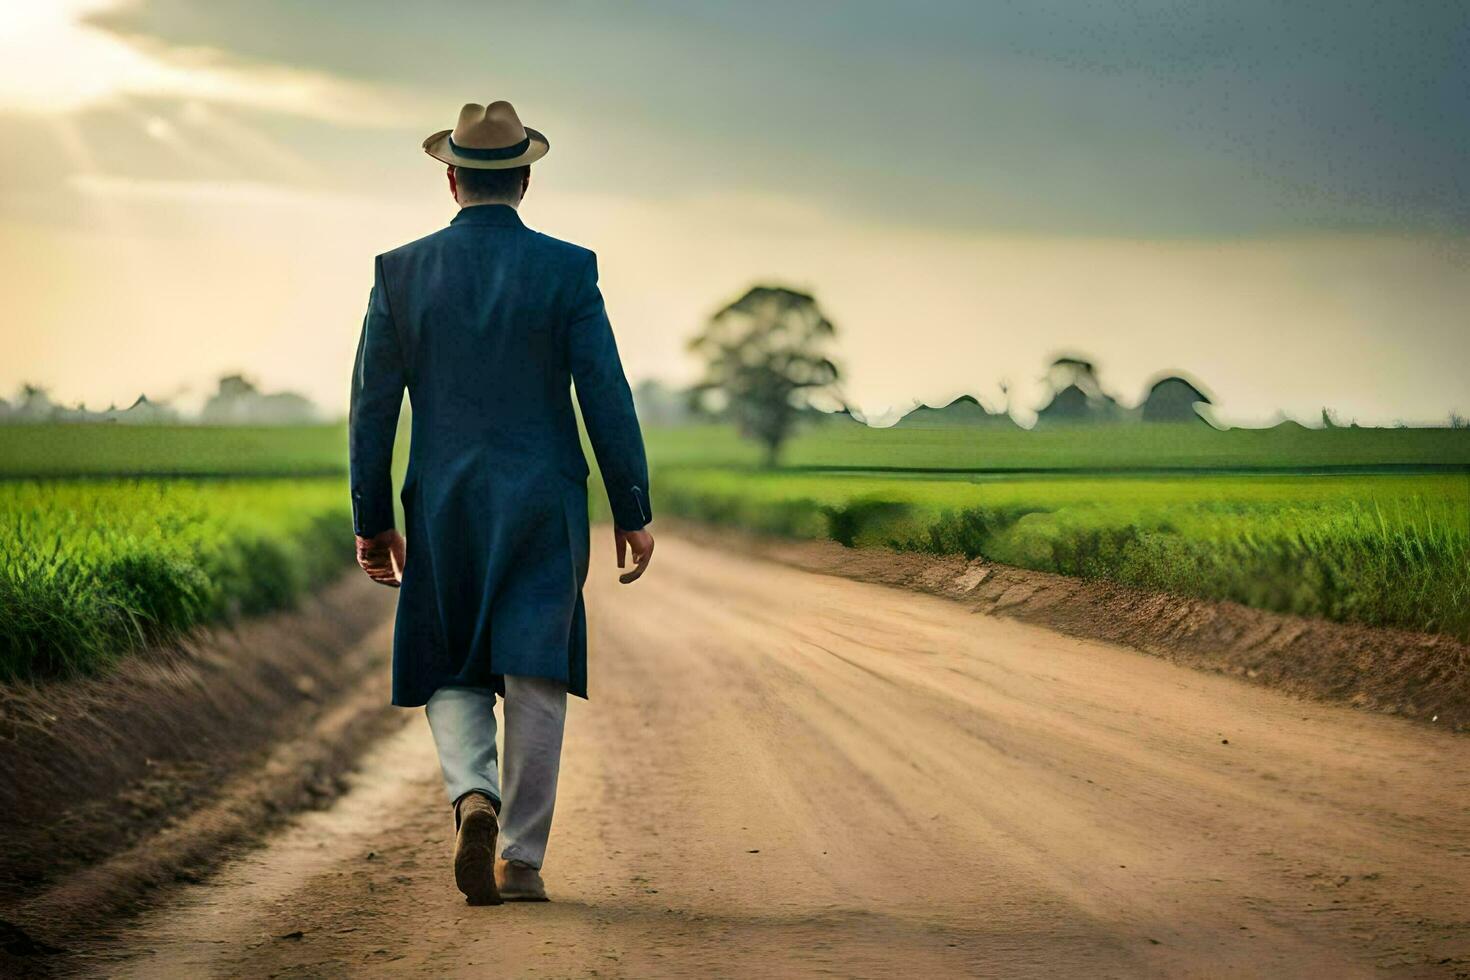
(1067, 371)
(1077, 396)
(1173, 399)
(239, 402)
(660, 405)
(763, 354)
(35, 404)
(1329, 420)
(1458, 421)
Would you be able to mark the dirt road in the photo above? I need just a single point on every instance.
(784, 774)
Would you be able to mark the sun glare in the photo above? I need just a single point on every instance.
(54, 59)
(51, 59)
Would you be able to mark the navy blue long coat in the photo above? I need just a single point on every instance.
(488, 324)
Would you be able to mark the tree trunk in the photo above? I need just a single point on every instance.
(773, 452)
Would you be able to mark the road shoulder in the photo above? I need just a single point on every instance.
(119, 786)
(1421, 676)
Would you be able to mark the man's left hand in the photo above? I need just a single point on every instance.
(382, 557)
(641, 544)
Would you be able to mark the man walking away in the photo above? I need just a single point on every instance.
(487, 324)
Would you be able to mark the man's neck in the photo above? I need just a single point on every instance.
(478, 201)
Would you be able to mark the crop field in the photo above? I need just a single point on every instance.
(61, 450)
(320, 450)
(848, 446)
(92, 570)
(118, 537)
(1359, 525)
(1378, 549)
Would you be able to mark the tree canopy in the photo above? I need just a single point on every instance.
(763, 354)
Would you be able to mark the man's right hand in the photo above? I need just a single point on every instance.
(382, 557)
(642, 544)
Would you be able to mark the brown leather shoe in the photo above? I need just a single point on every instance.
(474, 849)
(519, 882)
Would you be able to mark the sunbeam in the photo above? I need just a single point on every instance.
(162, 130)
(246, 142)
(81, 162)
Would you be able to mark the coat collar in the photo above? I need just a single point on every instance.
(487, 214)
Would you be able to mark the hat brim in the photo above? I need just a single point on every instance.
(437, 146)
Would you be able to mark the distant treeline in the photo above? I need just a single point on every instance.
(1077, 398)
(237, 401)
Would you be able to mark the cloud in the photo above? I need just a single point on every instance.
(43, 44)
(1048, 117)
(208, 192)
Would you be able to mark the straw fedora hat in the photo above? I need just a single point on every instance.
(488, 137)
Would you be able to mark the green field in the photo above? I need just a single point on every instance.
(92, 570)
(1359, 525)
(172, 450)
(319, 450)
(1379, 549)
(850, 446)
(138, 534)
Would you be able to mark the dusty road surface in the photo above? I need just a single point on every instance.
(784, 774)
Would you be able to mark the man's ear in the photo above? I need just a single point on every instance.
(525, 181)
(453, 184)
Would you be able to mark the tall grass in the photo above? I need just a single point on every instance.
(90, 571)
(1381, 550)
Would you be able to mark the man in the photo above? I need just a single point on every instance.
(487, 324)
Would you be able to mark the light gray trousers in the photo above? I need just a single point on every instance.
(463, 722)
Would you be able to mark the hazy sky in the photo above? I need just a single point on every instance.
(1273, 197)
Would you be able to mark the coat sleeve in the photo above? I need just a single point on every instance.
(372, 420)
(607, 405)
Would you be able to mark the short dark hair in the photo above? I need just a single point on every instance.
(498, 185)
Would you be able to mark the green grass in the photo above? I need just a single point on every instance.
(92, 570)
(1359, 525)
(1379, 549)
(62, 450)
(319, 450)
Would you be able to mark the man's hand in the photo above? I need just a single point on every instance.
(642, 544)
(382, 556)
